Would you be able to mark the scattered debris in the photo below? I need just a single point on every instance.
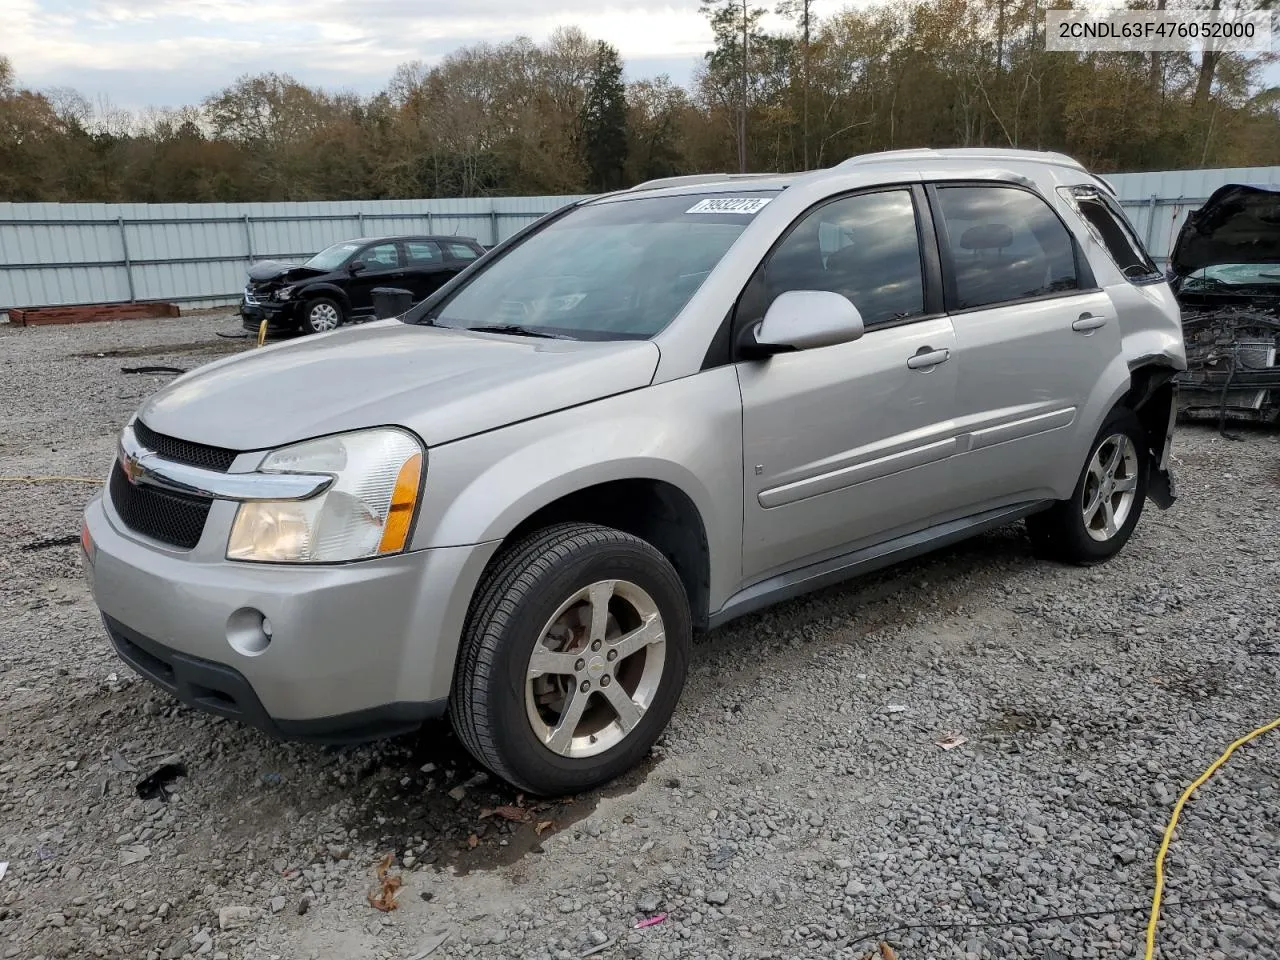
(152, 370)
(887, 952)
(432, 944)
(384, 898)
(134, 853)
(542, 826)
(45, 852)
(68, 541)
(232, 918)
(457, 793)
(599, 948)
(304, 905)
(232, 336)
(120, 764)
(895, 708)
(271, 779)
(277, 904)
(152, 786)
(506, 812)
(4, 868)
(472, 842)
(950, 741)
(650, 921)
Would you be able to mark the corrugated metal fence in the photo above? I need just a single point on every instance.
(1159, 202)
(54, 254)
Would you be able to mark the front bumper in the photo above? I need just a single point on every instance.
(357, 650)
(279, 315)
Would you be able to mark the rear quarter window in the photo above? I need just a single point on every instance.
(1111, 228)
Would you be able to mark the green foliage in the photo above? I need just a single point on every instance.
(556, 117)
(604, 121)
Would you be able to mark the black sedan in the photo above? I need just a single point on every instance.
(336, 285)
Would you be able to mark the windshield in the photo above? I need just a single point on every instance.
(1237, 275)
(607, 271)
(331, 258)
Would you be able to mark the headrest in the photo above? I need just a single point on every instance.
(986, 236)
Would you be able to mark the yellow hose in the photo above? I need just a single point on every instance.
(1173, 822)
(50, 480)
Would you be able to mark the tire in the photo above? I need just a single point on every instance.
(322, 315)
(507, 712)
(1063, 533)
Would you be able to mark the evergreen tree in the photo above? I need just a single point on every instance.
(604, 121)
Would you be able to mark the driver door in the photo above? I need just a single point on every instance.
(849, 444)
(381, 266)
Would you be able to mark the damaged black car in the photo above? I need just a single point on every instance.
(337, 285)
(1225, 271)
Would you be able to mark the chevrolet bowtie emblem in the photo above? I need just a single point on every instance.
(131, 467)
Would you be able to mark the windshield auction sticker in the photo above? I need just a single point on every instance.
(1091, 31)
(745, 205)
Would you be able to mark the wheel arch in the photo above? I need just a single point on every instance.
(657, 511)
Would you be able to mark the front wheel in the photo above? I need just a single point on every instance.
(322, 315)
(1099, 518)
(574, 655)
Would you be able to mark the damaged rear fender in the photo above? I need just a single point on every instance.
(1154, 397)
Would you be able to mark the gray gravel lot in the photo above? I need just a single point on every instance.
(799, 806)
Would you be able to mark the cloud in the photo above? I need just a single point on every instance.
(176, 51)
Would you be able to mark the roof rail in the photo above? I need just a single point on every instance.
(962, 153)
(695, 178)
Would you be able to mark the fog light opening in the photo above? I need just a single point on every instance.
(249, 632)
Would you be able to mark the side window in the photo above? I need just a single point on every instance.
(866, 247)
(1003, 244)
(382, 256)
(1112, 229)
(460, 251)
(423, 253)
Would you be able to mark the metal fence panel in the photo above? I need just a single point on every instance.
(54, 254)
(64, 254)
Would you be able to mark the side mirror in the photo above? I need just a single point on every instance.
(357, 266)
(806, 319)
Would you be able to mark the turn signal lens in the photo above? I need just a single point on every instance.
(403, 502)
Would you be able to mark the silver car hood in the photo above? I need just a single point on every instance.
(445, 384)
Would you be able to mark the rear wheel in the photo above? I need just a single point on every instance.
(321, 315)
(573, 658)
(1099, 518)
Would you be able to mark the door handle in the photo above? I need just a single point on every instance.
(1088, 322)
(926, 359)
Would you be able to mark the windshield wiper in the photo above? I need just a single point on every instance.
(518, 329)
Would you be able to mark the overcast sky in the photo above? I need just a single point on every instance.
(171, 52)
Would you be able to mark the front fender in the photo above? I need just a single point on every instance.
(480, 489)
(313, 290)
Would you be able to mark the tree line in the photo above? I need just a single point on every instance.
(522, 118)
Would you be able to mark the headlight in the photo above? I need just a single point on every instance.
(366, 512)
(284, 293)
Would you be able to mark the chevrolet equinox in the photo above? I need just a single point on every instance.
(645, 414)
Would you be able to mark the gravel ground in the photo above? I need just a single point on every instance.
(799, 806)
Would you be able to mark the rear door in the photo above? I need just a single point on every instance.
(848, 444)
(426, 268)
(1036, 334)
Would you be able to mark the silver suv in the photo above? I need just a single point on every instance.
(646, 414)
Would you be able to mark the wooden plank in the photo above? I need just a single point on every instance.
(94, 313)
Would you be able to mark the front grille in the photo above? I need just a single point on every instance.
(170, 518)
(184, 451)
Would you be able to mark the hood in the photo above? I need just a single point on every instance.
(1239, 223)
(443, 384)
(279, 270)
